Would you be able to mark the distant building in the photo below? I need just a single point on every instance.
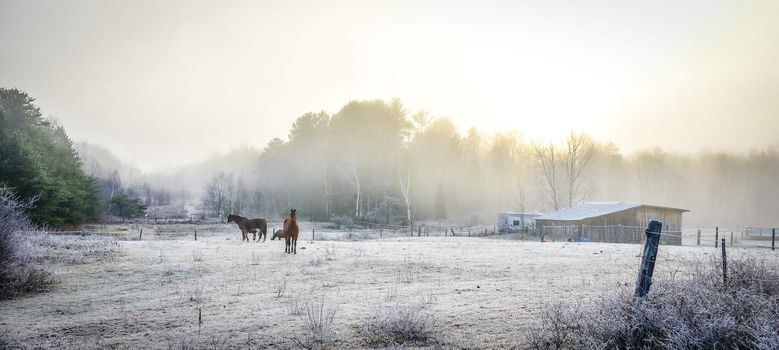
(514, 222)
(615, 222)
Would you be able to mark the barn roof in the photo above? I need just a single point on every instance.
(588, 210)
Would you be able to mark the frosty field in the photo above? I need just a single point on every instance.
(169, 291)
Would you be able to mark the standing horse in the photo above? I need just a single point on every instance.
(250, 225)
(291, 231)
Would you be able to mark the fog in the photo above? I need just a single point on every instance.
(673, 104)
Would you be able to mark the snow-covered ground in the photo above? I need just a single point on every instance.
(483, 293)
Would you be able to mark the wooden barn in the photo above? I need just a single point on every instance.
(614, 222)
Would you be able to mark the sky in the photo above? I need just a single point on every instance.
(164, 83)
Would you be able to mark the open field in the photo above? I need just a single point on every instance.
(169, 291)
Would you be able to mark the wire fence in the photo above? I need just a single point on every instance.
(747, 237)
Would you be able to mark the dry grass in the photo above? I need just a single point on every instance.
(318, 324)
(400, 324)
(698, 312)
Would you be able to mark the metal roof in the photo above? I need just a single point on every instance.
(587, 210)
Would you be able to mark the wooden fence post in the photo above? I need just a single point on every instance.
(773, 238)
(648, 258)
(716, 236)
(381, 230)
(196, 234)
(313, 234)
(731, 238)
(698, 242)
(724, 264)
(419, 231)
(140, 234)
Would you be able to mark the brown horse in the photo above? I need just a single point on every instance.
(278, 234)
(250, 225)
(291, 231)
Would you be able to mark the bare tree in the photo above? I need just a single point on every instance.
(217, 193)
(405, 189)
(579, 150)
(547, 163)
(355, 180)
(520, 201)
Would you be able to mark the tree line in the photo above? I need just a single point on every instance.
(38, 162)
(374, 161)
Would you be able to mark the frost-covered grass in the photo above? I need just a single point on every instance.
(696, 311)
(421, 292)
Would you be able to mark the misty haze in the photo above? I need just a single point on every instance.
(350, 174)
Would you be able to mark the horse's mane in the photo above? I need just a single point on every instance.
(236, 216)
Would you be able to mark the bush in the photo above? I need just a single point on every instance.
(17, 273)
(412, 323)
(340, 222)
(696, 313)
(319, 325)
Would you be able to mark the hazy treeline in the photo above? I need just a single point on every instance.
(118, 180)
(375, 161)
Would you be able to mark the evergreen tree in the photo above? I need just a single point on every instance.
(125, 207)
(38, 161)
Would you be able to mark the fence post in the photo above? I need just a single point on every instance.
(196, 233)
(716, 236)
(648, 258)
(698, 242)
(724, 264)
(313, 234)
(731, 238)
(140, 234)
(773, 238)
(381, 230)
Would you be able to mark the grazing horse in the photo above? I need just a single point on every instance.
(278, 234)
(250, 225)
(291, 231)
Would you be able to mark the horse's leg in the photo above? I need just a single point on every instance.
(295, 245)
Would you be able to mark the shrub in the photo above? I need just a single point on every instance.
(17, 273)
(695, 313)
(342, 221)
(319, 325)
(297, 305)
(400, 324)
